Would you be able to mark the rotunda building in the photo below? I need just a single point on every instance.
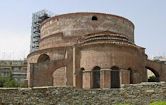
(87, 50)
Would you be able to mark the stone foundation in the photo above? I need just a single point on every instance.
(137, 94)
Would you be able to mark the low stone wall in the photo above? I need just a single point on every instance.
(136, 94)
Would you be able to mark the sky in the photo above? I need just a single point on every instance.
(149, 17)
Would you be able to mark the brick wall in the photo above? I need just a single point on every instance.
(79, 24)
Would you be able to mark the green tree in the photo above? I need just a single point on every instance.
(8, 81)
(2, 80)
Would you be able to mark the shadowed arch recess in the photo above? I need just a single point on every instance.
(155, 73)
(43, 58)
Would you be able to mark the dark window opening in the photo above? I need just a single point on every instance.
(81, 70)
(81, 76)
(131, 75)
(96, 77)
(115, 68)
(94, 18)
(115, 77)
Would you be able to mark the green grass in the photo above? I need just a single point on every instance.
(153, 103)
(158, 103)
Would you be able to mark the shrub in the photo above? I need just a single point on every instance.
(8, 82)
(153, 79)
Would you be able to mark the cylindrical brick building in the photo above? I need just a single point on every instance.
(87, 50)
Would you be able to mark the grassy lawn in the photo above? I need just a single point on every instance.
(153, 103)
(159, 103)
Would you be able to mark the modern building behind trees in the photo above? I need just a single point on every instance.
(15, 68)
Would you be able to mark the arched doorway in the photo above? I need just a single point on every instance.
(96, 77)
(152, 75)
(115, 77)
(43, 58)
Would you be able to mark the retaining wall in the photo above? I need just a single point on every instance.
(136, 94)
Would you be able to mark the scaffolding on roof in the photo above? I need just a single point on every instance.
(37, 19)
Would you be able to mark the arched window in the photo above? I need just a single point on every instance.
(96, 77)
(94, 18)
(115, 77)
(81, 77)
(43, 58)
(82, 69)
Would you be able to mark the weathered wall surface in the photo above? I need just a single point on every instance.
(138, 94)
(78, 24)
(65, 30)
(106, 56)
(42, 74)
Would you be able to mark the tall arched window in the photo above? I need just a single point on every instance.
(96, 77)
(81, 76)
(43, 58)
(131, 75)
(115, 77)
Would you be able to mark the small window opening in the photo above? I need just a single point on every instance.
(94, 18)
(82, 69)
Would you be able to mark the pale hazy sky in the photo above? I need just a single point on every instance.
(149, 17)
